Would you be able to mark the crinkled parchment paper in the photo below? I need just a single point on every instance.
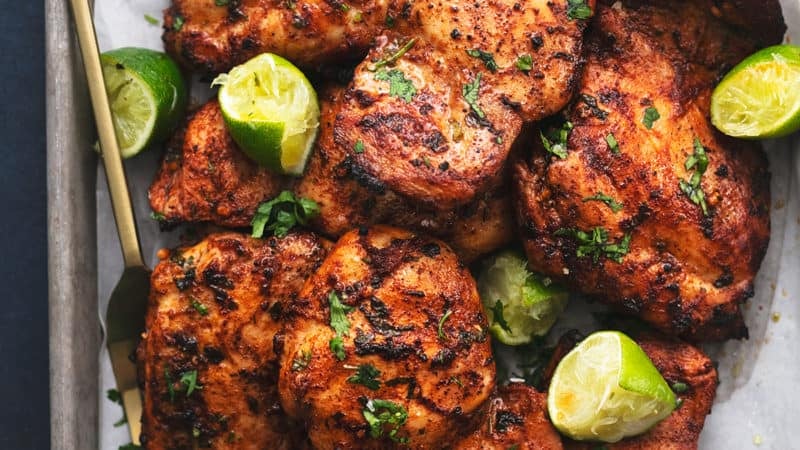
(758, 400)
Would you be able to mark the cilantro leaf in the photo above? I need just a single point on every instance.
(150, 19)
(578, 9)
(380, 413)
(177, 22)
(651, 115)
(169, 382)
(692, 187)
(366, 375)
(189, 381)
(221, 2)
(596, 244)
(199, 307)
(282, 213)
(339, 323)
(359, 146)
(524, 63)
(555, 139)
(613, 145)
(399, 85)
(441, 323)
(114, 396)
(600, 197)
(391, 59)
(498, 317)
(337, 347)
(129, 447)
(470, 93)
(486, 57)
(301, 362)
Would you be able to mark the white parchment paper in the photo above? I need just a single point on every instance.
(758, 400)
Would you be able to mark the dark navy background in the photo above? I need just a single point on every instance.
(24, 384)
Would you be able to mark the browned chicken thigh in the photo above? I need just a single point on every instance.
(386, 346)
(636, 199)
(204, 177)
(207, 365)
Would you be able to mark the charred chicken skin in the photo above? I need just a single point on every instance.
(207, 366)
(386, 346)
(646, 207)
(516, 418)
(204, 177)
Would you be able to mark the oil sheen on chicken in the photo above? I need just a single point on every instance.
(629, 213)
(386, 346)
(207, 366)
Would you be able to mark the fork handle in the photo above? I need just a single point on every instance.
(117, 186)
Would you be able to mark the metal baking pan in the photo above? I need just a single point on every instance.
(74, 328)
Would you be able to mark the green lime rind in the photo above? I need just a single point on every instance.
(520, 305)
(639, 375)
(271, 111)
(159, 78)
(760, 97)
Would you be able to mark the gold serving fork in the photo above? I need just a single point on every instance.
(126, 308)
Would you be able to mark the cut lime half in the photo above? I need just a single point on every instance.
(147, 96)
(607, 389)
(271, 111)
(760, 97)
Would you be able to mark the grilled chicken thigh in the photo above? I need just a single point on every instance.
(516, 419)
(386, 346)
(349, 198)
(204, 177)
(210, 38)
(207, 365)
(681, 365)
(629, 213)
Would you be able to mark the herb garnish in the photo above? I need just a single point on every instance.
(613, 145)
(170, 387)
(221, 2)
(578, 9)
(339, 323)
(301, 362)
(679, 388)
(399, 85)
(391, 59)
(359, 146)
(366, 375)
(189, 381)
(178, 22)
(486, 57)
(596, 244)
(692, 188)
(651, 115)
(116, 397)
(441, 322)
(524, 63)
(160, 217)
(199, 307)
(150, 19)
(282, 213)
(129, 447)
(498, 317)
(600, 197)
(470, 93)
(379, 413)
(555, 139)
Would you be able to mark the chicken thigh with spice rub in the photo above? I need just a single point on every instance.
(386, 346)
(635, 198)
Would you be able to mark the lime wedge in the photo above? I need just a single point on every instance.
(520, 304)
(271, 111)
(147, 96)
(760, 97)
(607, 389)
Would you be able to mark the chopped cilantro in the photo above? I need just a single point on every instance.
(366, 374)
(169, 381)
(441, 323)
(600, 197)
(221, 2)
(116, 397)
(359, 146)
(390, 21)
(150, 19)
(391, 59)
(339, 323)
(380, 413)
(498, 317)
(524, 63)
(189, 381)
(129, 447)
(555, 139)
(578, 9)
(679, 388)
(486, 57)
(399, 85)
(199, 307)
(596, 244)
(651, 115)
(177, 22)
(470, 93)
(157, 216)
(692, 188)
(301, 362)
(613, 145)
(282, 213)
